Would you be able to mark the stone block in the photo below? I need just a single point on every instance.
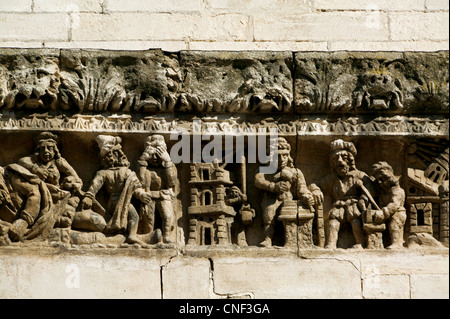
(436, 5)
(421, 45)
(67, 6)
(376, 286)
(167, 6)
(148, 26)
(16, 6)
(75, 277)
(429, 286)
(16, 26)
(287, 278)
(419, 26)
(242, 81)
(260, 6)
(127, 81)
(347, 83)
(322, 26)
(256, 46)
(186, 278)
(384, 5)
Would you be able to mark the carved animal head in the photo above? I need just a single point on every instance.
(31, 85)
(378, 90)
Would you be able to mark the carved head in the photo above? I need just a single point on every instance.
(46, 148)
(384, 175)
(33, 84)
(152, 143)
(379, 91)
(284, 154)
(343, 157)
(111, 152)
(234, 192)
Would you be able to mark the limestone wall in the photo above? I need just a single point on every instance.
(173, 25)
(205, 274)
(180, 28)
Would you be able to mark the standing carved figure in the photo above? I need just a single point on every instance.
(391, 199)
(244, 213)
(348, 188)
(286, 184)
(158, 175)
(38, 198)
(121, 185)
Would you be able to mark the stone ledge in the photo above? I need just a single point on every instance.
(52, 272)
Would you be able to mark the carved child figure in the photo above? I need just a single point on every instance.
(391, 199)
(287, 183)
(158, 175)
(121, 185)
(238, 200)
(347, 186)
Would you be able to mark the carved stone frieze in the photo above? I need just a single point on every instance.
(284, 150)
(356, 82)
(154, 81)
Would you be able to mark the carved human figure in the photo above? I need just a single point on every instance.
(287, 183)
(34, 201)
(391, 200)
(60, 177)
(244, 214)
(158, 176)
(348, 188)
(121, 184)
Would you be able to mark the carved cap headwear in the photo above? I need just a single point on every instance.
(156, 140)
(46, 136)
(339, 145)
(107, 142)
(283, 145)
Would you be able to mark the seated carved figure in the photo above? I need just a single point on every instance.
(391, 198)
(287, 183)
(121, 184)
(348, 189)
(33, 200)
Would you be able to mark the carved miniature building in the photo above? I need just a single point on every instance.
(210, 218)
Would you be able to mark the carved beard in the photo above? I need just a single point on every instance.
(110, 160)
(342, 170)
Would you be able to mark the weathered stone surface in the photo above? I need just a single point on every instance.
(186, 277)
(29, 79)
(236, 82)
(79, 277)
(356, 82)
(287, 278)
(104, 81)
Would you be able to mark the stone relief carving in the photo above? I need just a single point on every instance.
(153, 81)
(158, 176)
(121, 110)
(29, 80)
(42, 199)
(351, 82)
(286, 197)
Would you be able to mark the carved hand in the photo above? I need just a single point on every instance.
(145, 198)
(87, 203)
(378, 217)
(318, 196)
(42, 173)
(281, 187)
(308, 199)
(163, 154)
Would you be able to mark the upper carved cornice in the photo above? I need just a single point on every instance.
(216, 82)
